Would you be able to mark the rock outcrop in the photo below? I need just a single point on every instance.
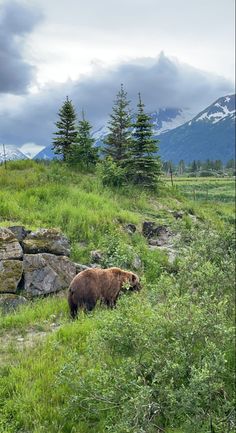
(46, 241)
(46, 273)
(10, 248)
(11, 274)
(33, 263)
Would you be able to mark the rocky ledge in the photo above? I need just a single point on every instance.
(33, 263)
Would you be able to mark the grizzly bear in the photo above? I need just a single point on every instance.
(92, 285)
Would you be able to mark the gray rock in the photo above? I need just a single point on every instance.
(10, 303)
(47, 273)
(178, 214)
(153, 231)
(155, 242)
(19, 232)
(148, 229)
(130, 228)
(79, 267)
(11, 274)
(9, 245)
(46, 241)
(96, 256)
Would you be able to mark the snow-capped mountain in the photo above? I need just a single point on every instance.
(163, 120)
(222, 109)
(12, 153)
(184, 135)
(46, 153)
(209, 135)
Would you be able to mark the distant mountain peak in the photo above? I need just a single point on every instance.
(12, 153)
(218, 111)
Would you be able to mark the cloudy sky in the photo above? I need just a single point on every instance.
(178, 53)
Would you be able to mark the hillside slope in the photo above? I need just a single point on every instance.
(165, 356)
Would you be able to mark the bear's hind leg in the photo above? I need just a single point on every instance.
(73, 311)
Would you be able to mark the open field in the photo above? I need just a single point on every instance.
(205, 189)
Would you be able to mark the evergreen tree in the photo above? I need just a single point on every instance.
(82, 150)
(194, 166)
(117, 141)
(66, 132)
(143, 165)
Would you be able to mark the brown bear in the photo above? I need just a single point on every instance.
(92, 285)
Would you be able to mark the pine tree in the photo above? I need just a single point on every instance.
(194, 166)
(82, 150)
(143, 165)
(66, 132)
(118, 140)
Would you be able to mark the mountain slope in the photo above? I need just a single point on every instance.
(210, 134)
(12, 153)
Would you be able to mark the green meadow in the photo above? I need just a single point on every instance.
(206, 189)
(163, 360)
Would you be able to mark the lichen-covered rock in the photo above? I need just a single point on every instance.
(10, 302)
(11, 274)
(9, 245)
(47, 273)
(46, 241)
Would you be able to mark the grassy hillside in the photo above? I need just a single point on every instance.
(163, 360)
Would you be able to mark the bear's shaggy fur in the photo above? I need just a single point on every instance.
(92, 285)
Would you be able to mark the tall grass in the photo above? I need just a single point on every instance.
(163, 359)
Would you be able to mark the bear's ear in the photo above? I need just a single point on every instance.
(134, 278)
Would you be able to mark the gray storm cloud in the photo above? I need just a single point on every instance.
(16, 22)
(163, 82)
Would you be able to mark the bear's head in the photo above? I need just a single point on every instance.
(134, 283)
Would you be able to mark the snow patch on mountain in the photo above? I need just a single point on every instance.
(12, 153)
(222, 108)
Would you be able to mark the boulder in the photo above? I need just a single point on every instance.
(46, 273)
(46, 241)
(10, 303)
(130, 228)
(19, 232)
(148, 228)
(11, 274)
(9, 245)
(79, 267)
(153, 231)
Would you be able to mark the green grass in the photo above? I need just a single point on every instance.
(206, 189)
(165, 356)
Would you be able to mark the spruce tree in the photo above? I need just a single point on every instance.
(66, 132)
(118, 139)
(143, 164)
(82, 150)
